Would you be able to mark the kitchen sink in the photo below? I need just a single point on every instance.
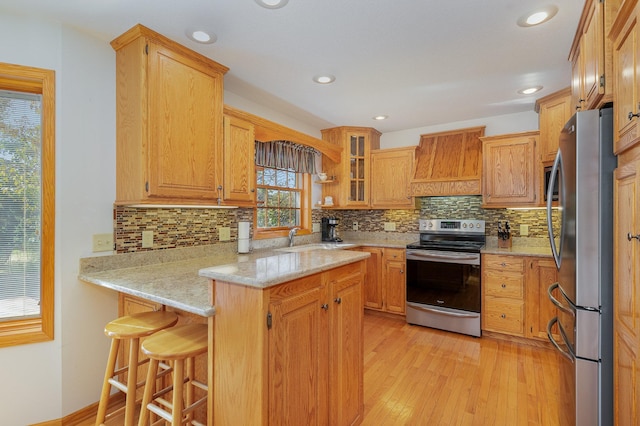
(317, 246)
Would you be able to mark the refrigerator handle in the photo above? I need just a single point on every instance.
(550, 325)
(552, 181)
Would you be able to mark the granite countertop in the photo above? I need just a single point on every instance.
(538, 247)
(180, 278)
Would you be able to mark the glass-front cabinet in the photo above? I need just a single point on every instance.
(349, 181)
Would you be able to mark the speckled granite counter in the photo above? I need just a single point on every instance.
(538, 247)
(180, 277)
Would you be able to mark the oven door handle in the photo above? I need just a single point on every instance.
(438, 311)
(426, 255)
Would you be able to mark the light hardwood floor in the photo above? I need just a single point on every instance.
(420, 376)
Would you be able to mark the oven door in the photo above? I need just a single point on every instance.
(444, 279)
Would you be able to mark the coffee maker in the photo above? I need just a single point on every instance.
(329, 233)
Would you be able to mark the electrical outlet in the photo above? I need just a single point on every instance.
(524, 230)
(316, 227)
(224, 233)
(102, 242)
(355, 225)
(389, 226)
(147, 239)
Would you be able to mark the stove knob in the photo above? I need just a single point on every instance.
(471, 225)
(478, 225)
(464, 225)
(430, 224)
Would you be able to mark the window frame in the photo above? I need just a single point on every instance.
(41, 81)
(305, 213)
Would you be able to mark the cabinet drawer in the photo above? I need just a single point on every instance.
(503, 263)
(503, 315)
(394, 254)
(503, 284)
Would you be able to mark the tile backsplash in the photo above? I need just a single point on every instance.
(186, 227)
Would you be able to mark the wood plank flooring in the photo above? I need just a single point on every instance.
(420, 376)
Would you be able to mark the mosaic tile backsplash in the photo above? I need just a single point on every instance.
(186, 227)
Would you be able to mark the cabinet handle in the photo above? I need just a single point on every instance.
(503, 264)
(338, 300)
(631, 115)
(402, 271)
(503, 316)
(325, 306)
(630, 237)
(504, 285)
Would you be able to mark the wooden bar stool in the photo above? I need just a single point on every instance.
(131, 328)
(175, 346)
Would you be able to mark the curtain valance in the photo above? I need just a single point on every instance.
(286, 155)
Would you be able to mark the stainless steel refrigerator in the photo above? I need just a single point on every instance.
(581, 238)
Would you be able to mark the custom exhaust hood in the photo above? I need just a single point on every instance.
(448, 163)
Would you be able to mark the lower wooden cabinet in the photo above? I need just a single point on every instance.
(515, 300)
(385, 283)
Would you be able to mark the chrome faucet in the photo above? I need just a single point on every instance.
(293, 232)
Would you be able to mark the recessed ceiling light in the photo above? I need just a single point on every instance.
(202, 36)
(324, 78)
(380, 117)
(538, 16)
(530, 90)
(272, 4)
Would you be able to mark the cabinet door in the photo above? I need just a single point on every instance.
(185, 125)
(541, 274)
(357, 148)
(554, 113)
(626, 295)
(390, 174)
(346, 405)
(593, 53)
(395, 283)
(508, 170)
(625, 63)
(298, 354)
(373, 296)
(577, 80)
(239, 162)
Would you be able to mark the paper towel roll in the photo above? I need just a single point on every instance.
(243, 230)
(243, 245)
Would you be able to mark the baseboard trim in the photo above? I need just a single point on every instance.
(87, 413)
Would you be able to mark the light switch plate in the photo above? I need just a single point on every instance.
(389, 226)
(316, 227)
(147, 239)
(224, 233)
(102, 242)
(524, 230)
(354, 226)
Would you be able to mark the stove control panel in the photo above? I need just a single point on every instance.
(468, 226)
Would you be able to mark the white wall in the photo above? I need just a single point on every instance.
(498, 125)
(46, 381)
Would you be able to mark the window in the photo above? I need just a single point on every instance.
(27, 198)
(283, 202)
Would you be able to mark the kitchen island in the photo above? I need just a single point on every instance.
(285, 329)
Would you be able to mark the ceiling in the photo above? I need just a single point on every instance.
(421, 62)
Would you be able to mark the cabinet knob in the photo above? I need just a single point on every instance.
(338, 300)
(631, 115)
(503, 316)
(503, 264)
(253, 190)
(503, 285)
(630, 237)
(402, 271)
(325, 306)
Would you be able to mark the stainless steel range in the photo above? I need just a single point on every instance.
(443, 275)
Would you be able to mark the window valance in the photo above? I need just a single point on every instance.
(286, 155)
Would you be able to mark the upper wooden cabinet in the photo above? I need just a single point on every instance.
(168, 121)
(591, 83)
(448, 163)
(239, 166)
(352, 174)
(554, 111)
(390, 173)
(509, 177)
(626, 73)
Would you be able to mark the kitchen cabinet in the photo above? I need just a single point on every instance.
(541, 273)
(509, 171)
(268, 339)
(352, 174)
(168, 121)
(554, 111)
(385, 282)
(503, 281)
(626, 74)
(239, 166)
(626, 289)
(390, 178)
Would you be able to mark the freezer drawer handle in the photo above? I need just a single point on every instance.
(553, 322)
(555, 301)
